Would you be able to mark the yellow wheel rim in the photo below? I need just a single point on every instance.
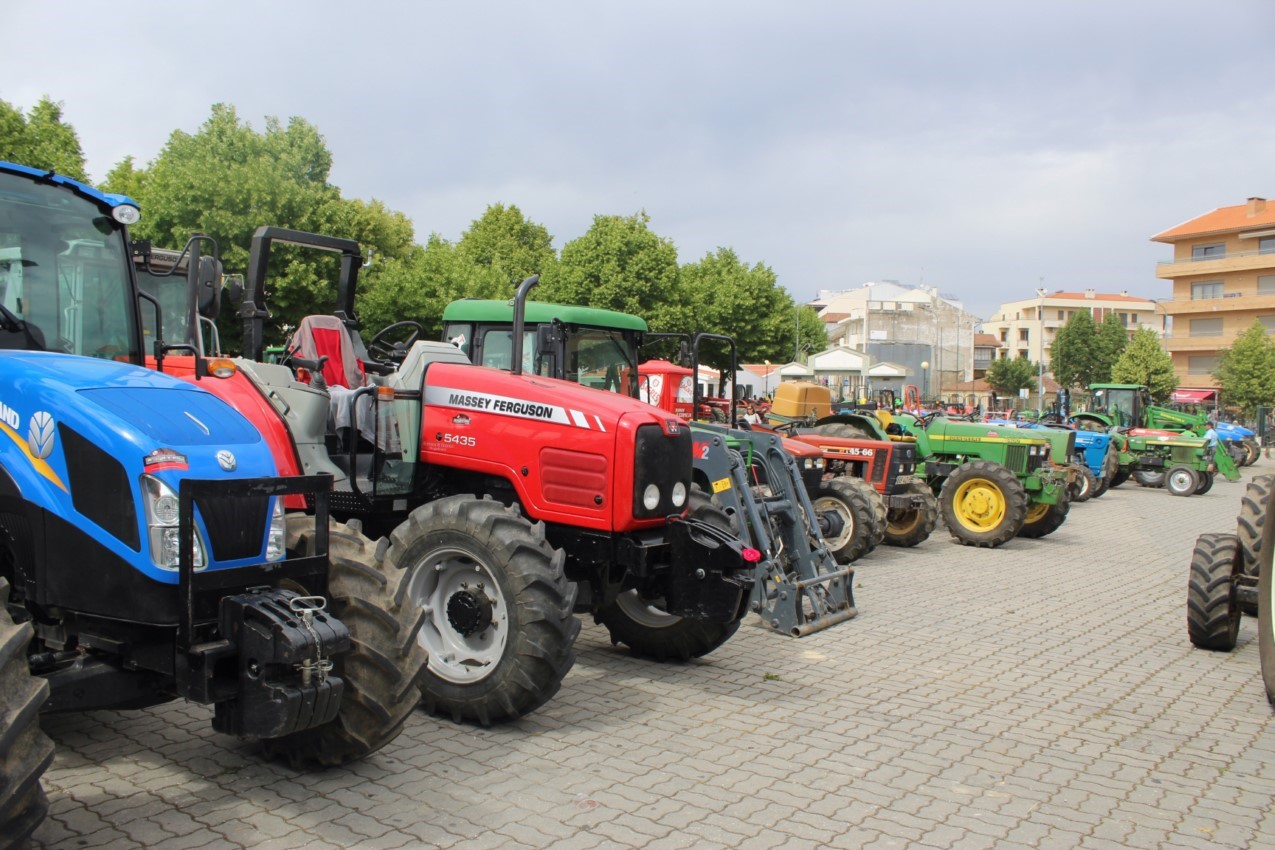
(979, 505)
(1037, 512)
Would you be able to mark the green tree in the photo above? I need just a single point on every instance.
(1112, 340)
(126, 179)
(1246, 372)
(1144, 362)
(1007, 376)
(1074, 357)
(740, 301)
(620, 264)
(41, 139)
(504, 241)
(226, 180)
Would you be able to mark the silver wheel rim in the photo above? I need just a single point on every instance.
(1181, 480)
(830, 503)
(453, 656)
(644, 613)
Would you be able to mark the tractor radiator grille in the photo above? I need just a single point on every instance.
(236, 526)
(1016, 458)
(880, 466)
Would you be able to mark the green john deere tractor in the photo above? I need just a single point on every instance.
(993, 483)
(1184, 465)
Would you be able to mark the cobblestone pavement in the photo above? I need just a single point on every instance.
(1042, 695)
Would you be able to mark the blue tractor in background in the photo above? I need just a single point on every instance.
(145, 551)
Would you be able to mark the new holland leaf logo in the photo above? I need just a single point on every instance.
(40, 434)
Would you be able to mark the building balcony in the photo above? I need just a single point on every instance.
(1196, 344)
(1229, 303)
(1239, 261)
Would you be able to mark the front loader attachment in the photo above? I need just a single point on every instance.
(1225, 463)
(799, 588)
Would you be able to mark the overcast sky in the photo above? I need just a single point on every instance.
(974, 146)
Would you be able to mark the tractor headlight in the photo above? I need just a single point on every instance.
(679, 494)
(278, 532)
(162, 513)
(651, 497)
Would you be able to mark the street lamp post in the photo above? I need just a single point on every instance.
(1040, 363)
(925, 381)
(765, 385)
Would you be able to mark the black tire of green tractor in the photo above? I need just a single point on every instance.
(651, 633)
(854, 500)
(1212, 610)
(1118, 477)
(1249, 527)
(980, 479)
(485, 676)
(1082, 489)
(1266, 609)
(25, 751)
(383, 669)
(1148, 477)
(1049, 520)
(913, 526)
(1206, 483)
(1181, 481)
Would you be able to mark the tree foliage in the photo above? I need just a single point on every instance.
(1009, 375)
(41, 139)
(1083, 351)
(745, 302)
(1144, 362)
(620, 264)
(504, 241)
(1246, 372)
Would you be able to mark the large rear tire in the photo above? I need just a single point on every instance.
(1212, 609)
(25, 751)
(1266, 609)
(1118, 478)
(913, 526)
(499, 627)
(844, 430)
(381, 672)
(650, 632)
(1249, 526)
(983, 504)
(862, 516)
(1043, 520)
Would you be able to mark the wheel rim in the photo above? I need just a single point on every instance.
(643, 612)
(831, 504)
(1083, 488)
(905, 523)
(980, 505)
(467, 625)
(1182, 480)
(1037, 512)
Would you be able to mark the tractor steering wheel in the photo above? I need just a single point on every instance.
(383, 350)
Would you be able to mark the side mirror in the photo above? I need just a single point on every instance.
(208, 287)
(234, 289)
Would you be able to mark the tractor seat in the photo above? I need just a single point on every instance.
(327, 336)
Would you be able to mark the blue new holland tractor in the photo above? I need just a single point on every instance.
(145, 551)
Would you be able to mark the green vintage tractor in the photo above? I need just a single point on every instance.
(993, 483)
(1184, 465)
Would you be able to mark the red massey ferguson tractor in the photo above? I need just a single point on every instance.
(514, 500)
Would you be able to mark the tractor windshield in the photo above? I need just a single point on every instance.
(603, 359)
(64, 273)
(1120, 404)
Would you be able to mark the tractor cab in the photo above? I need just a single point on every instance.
(1124, 405)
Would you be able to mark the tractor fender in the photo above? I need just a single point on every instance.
(868, 424)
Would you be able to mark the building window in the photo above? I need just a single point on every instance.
(1208, 252)
(1062, 314)
(1004, 335)
(1124, 319)
(1022, 335)
(1268, 322)
(1266, 245)
(1202, 364)
(1206, 327)
(1266, 284)
(1070, 313)
(1205, 290)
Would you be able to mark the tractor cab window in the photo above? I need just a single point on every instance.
(497, 350)
(64, 273)
(1122, 405)
(600, 358)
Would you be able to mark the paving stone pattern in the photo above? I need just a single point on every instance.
(1043, 695)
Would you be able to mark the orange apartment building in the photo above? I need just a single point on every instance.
(1223, 274)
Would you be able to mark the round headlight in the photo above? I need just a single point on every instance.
(651, 497)
(166, 510)
(679, 494)
(126, 214)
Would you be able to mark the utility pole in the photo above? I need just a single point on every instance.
(1040, 363)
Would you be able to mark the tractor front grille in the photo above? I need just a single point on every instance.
(1016, 459)
(236, 525)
